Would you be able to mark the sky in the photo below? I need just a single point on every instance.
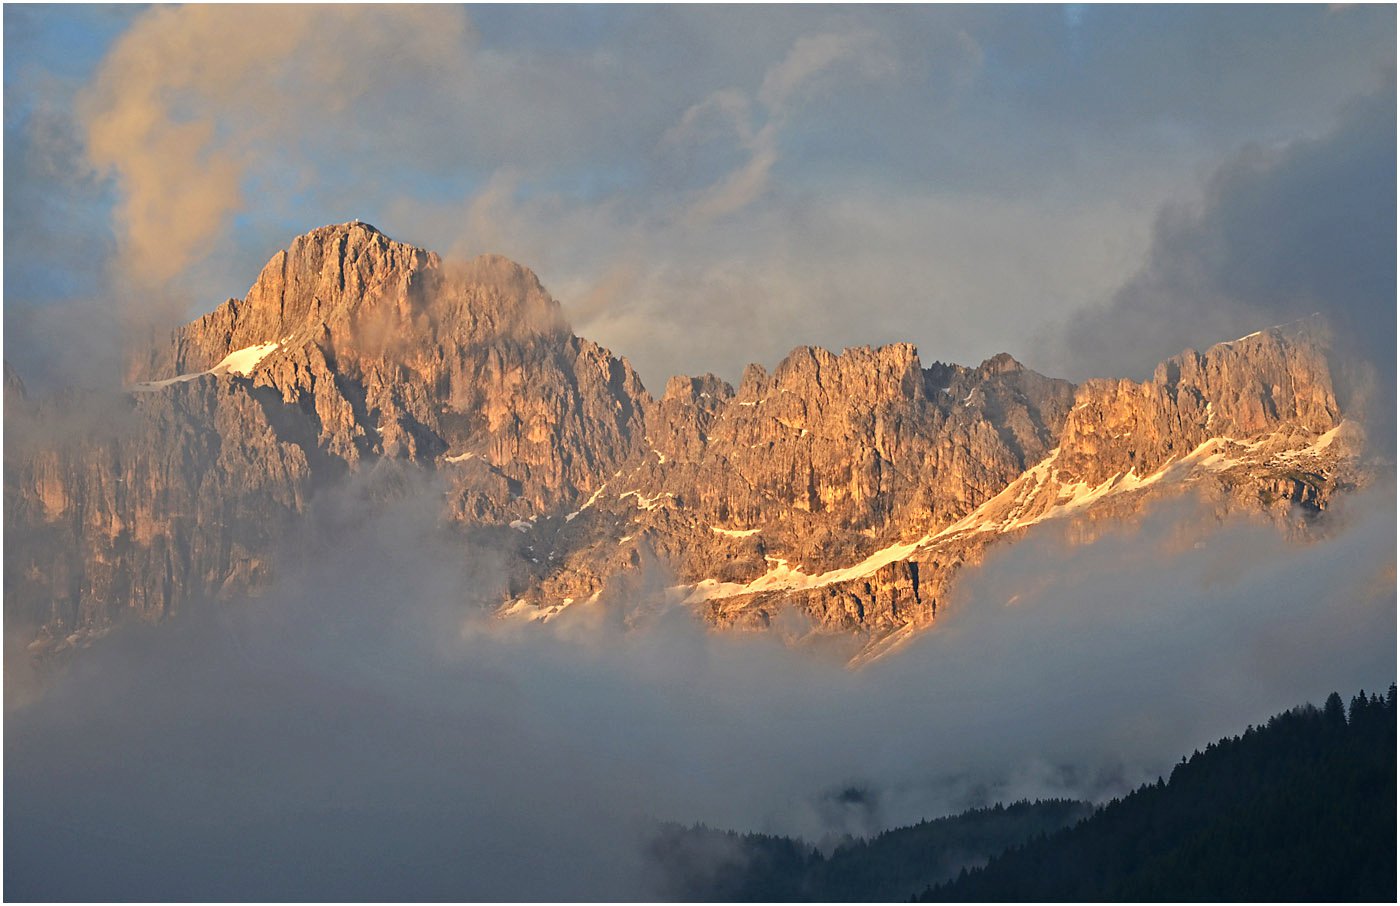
(1090, 188)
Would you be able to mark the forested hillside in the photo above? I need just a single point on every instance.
(1302, 808)
(710, 865)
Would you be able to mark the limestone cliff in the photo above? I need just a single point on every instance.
(349, 349)
(133, 506)
(857, 508)
(387, 352)
(847, 489)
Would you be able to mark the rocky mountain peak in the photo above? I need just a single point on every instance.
(859, 374)
(683, 388)
(1001, 363)
(333, 260)
(356, 293)
(324, 273)
(1271, 382)
(381, 349)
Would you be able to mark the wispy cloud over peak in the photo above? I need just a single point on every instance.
(861, 54)
(864, 51)
(191, 99)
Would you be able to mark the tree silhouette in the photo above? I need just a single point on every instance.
(1302, 808)
(1333, 711)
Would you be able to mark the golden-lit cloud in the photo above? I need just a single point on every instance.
(190, 98)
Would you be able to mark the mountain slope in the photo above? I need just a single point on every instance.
(848, 490)
(349, 350)
(859, 514)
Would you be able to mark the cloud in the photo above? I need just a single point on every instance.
(811, 55)
(863, 53)
(61, 327)
(744, 186)
(363, 731)
(722, 112)
(1279, 233)
(708, 187)
(679, 296)
(191, 99)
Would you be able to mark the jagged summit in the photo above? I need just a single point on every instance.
(1001, 363)
(352, 290)
(356, 235)
(347, 226)
(1313, 328)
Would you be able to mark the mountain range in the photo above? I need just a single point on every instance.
(837, 496)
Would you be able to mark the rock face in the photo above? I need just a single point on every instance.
(134, 505)
(845, 489)
(386, 352)
(815, 467)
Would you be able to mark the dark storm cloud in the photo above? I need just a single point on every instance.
(1279, 235)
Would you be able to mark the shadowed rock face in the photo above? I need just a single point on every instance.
(846, 488)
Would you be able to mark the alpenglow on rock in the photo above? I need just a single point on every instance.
(845, 490)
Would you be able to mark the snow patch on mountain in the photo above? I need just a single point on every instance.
(240, 362)
(734, 533)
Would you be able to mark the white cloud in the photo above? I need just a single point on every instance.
(864, 51)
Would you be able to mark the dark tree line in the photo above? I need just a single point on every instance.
(1302, 808)
(700, 863)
